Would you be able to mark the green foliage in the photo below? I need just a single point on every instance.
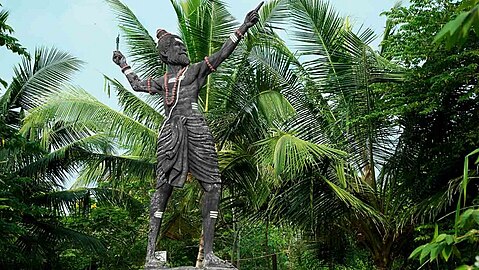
(413, 28)
(32, 174)
(35, 80)
(443, 245)
(436, 102)
(30, 212)
(7, 40)
(122, 233)
(456, 31)
(466, 230)
(204, 25)
(140, 44)
(291, 156)
(10, 42)
(436, 106)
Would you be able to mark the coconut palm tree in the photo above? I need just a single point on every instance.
(341, 102)
(33, 176)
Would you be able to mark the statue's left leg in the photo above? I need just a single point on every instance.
(211, 200)
(157, 208)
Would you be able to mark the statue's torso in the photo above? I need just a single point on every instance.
(185, 102)
(185, 142)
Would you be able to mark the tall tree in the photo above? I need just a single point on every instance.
(31, 202)
(348, 96)
(438, 100)
(7, 40)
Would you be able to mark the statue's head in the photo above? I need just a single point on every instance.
(171, 48)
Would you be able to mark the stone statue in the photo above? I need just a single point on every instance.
(185, 143)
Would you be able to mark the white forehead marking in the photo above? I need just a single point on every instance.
(179, 40)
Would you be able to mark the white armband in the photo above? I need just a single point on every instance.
(234, 38)
(128, 71)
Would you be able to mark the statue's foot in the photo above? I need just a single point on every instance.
(154, 264)
(212, 261)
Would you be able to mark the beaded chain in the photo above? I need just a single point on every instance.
(209, 64)
(168, 101)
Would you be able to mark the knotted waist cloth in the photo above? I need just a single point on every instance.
(186, 144)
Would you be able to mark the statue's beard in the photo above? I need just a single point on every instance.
(179, 59)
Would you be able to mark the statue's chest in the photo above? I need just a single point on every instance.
(185, 87)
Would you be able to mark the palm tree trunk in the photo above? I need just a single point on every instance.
(382, 257)
(201, 255)
(266, 243)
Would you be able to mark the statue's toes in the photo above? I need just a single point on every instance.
(211, 261)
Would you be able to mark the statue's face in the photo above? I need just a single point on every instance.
(177, 54)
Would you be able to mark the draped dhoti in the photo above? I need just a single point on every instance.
(186, 145)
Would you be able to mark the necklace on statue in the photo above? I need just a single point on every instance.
(169, 101)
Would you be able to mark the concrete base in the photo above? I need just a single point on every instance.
(192, 268)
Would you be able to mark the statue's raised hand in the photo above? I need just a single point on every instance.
(252, 17)
(119, 58)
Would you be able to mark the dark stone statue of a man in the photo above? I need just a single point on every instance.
(185, 143)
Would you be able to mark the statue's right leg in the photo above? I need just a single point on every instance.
(157, 208)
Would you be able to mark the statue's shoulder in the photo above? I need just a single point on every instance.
(195, 68)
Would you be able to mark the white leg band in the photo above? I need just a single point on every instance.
(234, 38)
(214, 214)
(128, 71)
(158, 214)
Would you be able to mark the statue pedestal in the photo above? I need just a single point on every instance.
(192, 268)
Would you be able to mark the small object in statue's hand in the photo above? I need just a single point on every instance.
(259, 6)
(118, 42)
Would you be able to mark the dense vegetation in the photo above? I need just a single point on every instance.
(334, 155)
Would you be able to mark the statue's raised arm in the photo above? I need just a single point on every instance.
(213, 61)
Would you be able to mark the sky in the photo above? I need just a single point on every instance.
(87, 29)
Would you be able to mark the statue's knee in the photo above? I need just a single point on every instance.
(159, 184)
(160, 180)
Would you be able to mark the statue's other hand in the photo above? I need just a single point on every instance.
(252, 17)
(119, 58)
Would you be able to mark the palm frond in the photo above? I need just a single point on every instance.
(204, 25)
(274, 107)
(140, 44)
(136, 108)
(65, 201)
(41, 235)
(236, 118)
(118, 170)
(248, 191)
(60, 164)
(76, 105)
(35, 80)
(291, 156)
(318, 29)
(306, 203)
(272, 14)
(361, 209)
